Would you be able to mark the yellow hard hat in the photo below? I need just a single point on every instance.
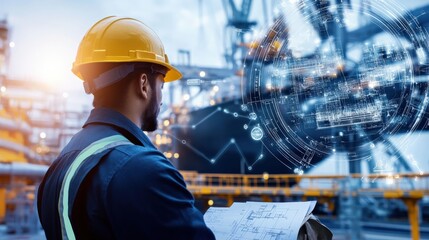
(122, 40)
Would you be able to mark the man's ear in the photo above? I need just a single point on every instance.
(144, 86)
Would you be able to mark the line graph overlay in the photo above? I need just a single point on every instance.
(221, 152)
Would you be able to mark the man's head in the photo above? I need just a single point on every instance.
(123, 63)
(139, 91)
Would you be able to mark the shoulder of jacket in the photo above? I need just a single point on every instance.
(139, 157)
(132, 150)
(139, 165)
(145, 162)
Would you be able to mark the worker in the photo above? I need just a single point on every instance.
(110, 181)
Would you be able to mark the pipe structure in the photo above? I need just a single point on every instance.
(20, 148)
(12, 125)
(22, 169)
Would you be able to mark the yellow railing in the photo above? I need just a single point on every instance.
(409, 187)
(373, 182)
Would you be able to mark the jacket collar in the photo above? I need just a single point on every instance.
(111, 117)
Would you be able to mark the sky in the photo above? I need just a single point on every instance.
(46, 33)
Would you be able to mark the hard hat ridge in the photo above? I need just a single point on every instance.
(120, 40)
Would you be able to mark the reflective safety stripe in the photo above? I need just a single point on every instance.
(63, 203)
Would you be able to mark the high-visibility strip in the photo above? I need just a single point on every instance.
(63, 203)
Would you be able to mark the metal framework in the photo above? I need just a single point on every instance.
(323, 187)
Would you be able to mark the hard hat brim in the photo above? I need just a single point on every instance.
(173, 73)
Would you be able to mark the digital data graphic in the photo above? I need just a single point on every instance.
(357, 78)
(326, 78)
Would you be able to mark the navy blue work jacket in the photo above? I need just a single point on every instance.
(127, 192)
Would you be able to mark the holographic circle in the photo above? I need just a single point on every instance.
(328, 78)
(253, 116)
(257, 133)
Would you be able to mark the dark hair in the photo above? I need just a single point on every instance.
(111, 94)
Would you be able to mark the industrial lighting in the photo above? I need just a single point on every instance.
(3, 89)
(186, 97)
(216, 88)
(12, 44)
(168, 155)
(304, 107)
(158, 140)
(210, 202)
(39, 150)
(42, 135)
(202, 74)
(265, 176)
(176, 155)
(372, 84)
(166, 123)
(298, 171)
(212, 102)
(390, 180)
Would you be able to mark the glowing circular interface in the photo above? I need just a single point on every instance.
(319, 81)
(257, 133)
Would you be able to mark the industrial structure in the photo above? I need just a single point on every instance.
(255, 129)
(33, 130)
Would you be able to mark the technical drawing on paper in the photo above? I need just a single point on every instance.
(255, 220)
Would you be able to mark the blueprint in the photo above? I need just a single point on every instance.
(258, 220)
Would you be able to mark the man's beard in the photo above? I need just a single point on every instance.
(149, 118)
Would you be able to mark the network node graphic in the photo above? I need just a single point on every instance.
(328, 78)
(257, 133)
